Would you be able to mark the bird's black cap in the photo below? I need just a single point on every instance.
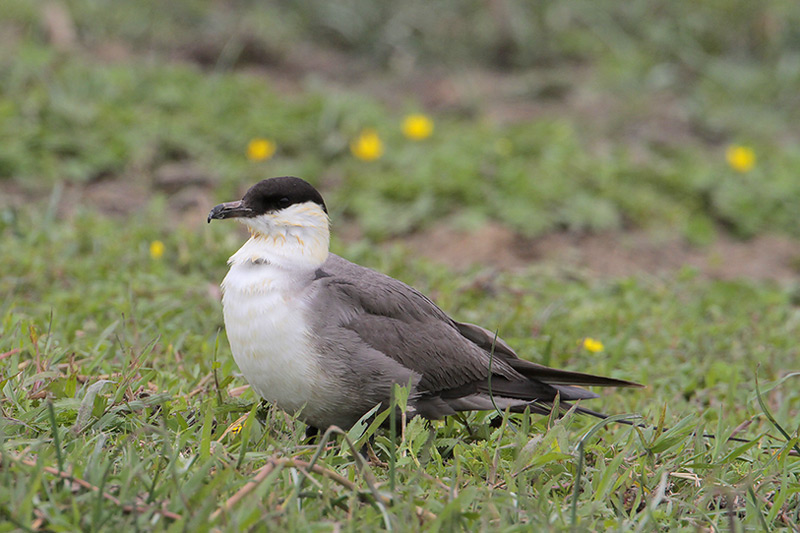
(269, 195)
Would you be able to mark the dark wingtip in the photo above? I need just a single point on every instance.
(554, 376)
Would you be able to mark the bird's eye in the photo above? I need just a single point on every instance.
(283, 202)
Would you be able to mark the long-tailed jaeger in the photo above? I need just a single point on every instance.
(318, 335)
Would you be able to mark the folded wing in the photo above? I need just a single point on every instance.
(452, 359)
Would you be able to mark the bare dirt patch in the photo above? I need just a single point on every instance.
(766, 257)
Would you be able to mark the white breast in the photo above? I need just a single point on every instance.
(264, 312)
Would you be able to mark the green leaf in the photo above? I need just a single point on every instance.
(88, 404)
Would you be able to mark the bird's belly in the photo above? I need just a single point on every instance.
(270, 343)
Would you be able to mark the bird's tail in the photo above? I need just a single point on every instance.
(554, 376)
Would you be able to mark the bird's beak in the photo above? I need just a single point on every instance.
(229, 210)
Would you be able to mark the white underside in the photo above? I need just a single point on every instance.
(265, 301)
(266, 330)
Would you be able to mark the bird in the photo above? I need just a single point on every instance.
(327, 339)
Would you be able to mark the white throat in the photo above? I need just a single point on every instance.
(296, 238)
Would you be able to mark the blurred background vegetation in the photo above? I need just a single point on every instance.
(579, 114)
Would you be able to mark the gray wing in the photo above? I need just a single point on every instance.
(401, 323)
(391, 325)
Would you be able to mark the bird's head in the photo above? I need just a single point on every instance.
(282, 212)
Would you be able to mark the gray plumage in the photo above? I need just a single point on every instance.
(377, 331)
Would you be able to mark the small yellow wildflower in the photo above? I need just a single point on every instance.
(740, 158)
(367, 146)
(417, 127)
(235, 428)
(260, 149)
(592, 345)
(156, 249)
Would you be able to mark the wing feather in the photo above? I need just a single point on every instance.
(400, 322)
(452, 358)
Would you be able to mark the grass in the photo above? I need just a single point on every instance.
(122, 407)
(90, 306)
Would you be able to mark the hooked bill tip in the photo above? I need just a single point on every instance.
(229, 210)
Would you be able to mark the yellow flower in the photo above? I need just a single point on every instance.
(235, 428)
(592, 345)
(367, 146)
(740, 158)
(156, 249)
(260, 149)
(417, 127)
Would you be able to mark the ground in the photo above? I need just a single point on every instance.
(575, 196)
